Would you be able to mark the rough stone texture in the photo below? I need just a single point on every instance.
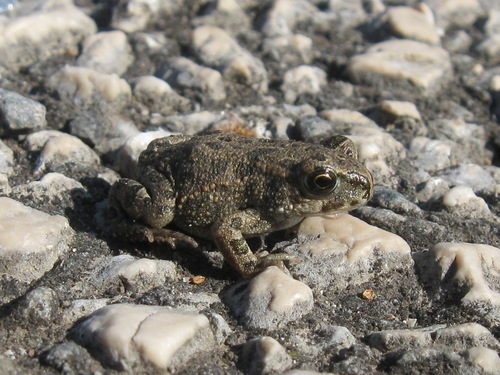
(19, 114)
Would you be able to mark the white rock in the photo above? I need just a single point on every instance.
(134, 15)
(463, 336)
(186, 74)
(128, 156)
(136, 275)
(6, 159)
(301, 80)
(270, 299)
(410, 23)
(106, 52)
(402, 61)
(20, 114)
(285, 14)
(486, 359)
(472, 175)
(350, 13)
(474, 266)
(398, 109)
(459, 13)
(265, 355)
(31, 241)
(158, 96)
(124, 334)
(431, 155)
(433, 189)
(216, 48)
(65, 151)
(462, 201)
(43, 34)
(293, 49)
(490, 48)
(82, 86)
(351, 247)
(191, 123)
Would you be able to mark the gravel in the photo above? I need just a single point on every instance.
(408, 284)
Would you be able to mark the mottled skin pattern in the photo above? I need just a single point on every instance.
(226, 187)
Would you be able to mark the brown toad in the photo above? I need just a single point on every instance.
(226, 187)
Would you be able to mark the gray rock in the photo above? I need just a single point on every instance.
(265, 355)
(289, 50)
(303, 80)
(69, 358)
(283, 15)
(187, 75)
(461, 13)
(41, 306)
(19, 114)
(6, 159)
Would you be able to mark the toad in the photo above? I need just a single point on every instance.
(226, 188)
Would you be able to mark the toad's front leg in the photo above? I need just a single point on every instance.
(139, 211)
(228, 234)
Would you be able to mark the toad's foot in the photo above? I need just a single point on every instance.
(169, 237)
(278, 260)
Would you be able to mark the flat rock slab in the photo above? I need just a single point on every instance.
(124, 335)
(31, 241)
(402, 61)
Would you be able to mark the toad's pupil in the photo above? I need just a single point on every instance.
(323, 181)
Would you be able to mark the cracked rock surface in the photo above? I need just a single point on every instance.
(408, 284)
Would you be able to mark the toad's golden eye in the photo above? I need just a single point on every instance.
(321, 182)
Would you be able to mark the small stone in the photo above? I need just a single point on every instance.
(216, 48)
(43, 34)
(350, 246)
(462, 201)
(387, 198)
(69, 355)
(187, 75)
(289, 50)
(400, 339)
(403, 62)
(283, 15)
(460, 13)
(123, 335)
(226, 14)
(471, 175)
(65, 152)
(135, 275)
(432, 155)
(82, 307)
(474, 270)
(192, 123)
(432, 190)
(270, 299)
(398, 109)
(83, 86)
(351, 13)
(158, 96)
(265, 355)
(6, 159)
(485, 359)
(490, 49)
(31, 241)
(303, 80)
(19, 114)
(41, 306)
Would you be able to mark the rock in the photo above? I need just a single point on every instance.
(265, 355)
(270, 299)
(471, 175)
(191, 123)
(471, 269)
(43, 34)
(464, 336)
(6, 160)
(433, 155)
(41, 306)
(125, 335)
(187, 75)
(69, 355)
(83, 87)
(106, 52)
(289, 50)
(393, 109)
(387, 198)
(458, 13)
(134, 15)
(19, 114)
(283, 15)
(133, 275)
(158, 96)
(426, 67)
(216, 48)
(490, 49)
(350, 13)
(432, 190)
(392, 340)
(351, 247)
(31, 241)
(430, 360)
(483, 358)
(462, 201)
(227, 15)
(65, 152)
(303, 80)
(80, 308)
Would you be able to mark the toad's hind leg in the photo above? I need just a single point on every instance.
(229, 233)
(139, 212)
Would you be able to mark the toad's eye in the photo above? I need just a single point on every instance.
(321, 182)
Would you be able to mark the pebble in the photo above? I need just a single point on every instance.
(458, 13)
(158, 96)
(265, 355)
(432, 155)
(124, 335)
(191, 123)
(472, 175)
(289, 50)
(303, 80)
(485, 359)
(426, 67)
(41, 306)
(226, 14)
(6, 160)
(106, 52)
(394, 109)
(66, 153)
(283, 15)
(83, 86)
(351, 247)
(217, 49)
(43, 34)
(20, 115)
(80, 308)
(462, 201)
(471, 267)
(352, 13)
(129, 273)
(187, 75)
(271, 299)
(464, 336)
(432, 189)
(31, 241)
